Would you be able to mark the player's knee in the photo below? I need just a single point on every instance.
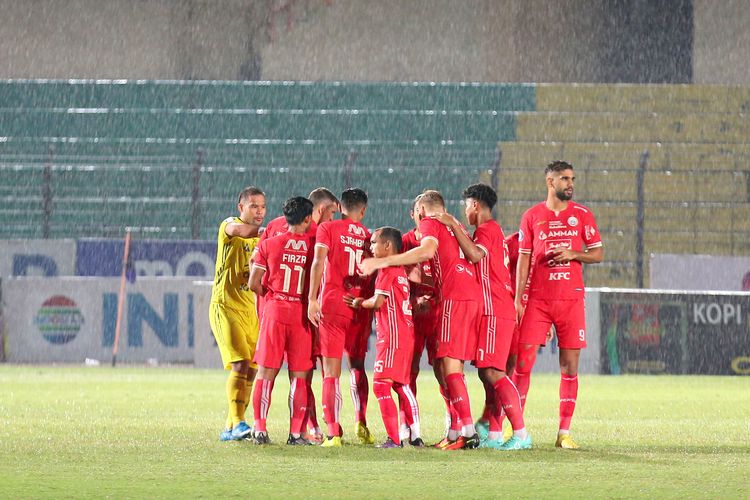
(526, 359)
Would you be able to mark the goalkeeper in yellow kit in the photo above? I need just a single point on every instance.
(232, 314)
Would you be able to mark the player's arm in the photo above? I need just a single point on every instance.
(471, 250)
(255, 282)
(588, 256)
(241, 229)
(316, 275)
(425, 251)
(373, 302)
(522, 276)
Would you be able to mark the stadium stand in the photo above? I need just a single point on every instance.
(155, 156)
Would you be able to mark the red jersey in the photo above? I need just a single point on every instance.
(279, 226)
(511, 247)
(393, 320)
(455, 277)
(286, 258)
(408, 241)
(497, 294)
(347, 243)
(542, 231)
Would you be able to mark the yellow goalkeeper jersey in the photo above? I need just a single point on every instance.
(233, 270)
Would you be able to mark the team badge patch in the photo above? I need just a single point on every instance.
(572, 221)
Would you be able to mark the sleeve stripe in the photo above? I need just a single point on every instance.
(430, 238)
(321, 245)
(484, 249)
(382, 292)
(523, 250)
(595, 245)
(259, 266)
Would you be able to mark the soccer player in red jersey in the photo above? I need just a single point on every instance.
(325, 206)
(284, 261)
(456, 281)
(340, 246)
(489, 253)
(395, 340)
(555, 238)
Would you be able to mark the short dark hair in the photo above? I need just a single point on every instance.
(482, 193)
(393, 235)
(320, 195)
(248, 192)
(353, 198)
(432, 198)
(296, 209)
(557, 166)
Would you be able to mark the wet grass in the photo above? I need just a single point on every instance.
(131, 432)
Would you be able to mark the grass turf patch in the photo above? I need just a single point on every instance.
(135, 432)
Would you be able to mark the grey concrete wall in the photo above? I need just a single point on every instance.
(387, 40)
(721, 47)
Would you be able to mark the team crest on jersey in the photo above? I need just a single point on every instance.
(572, 221)
(296, 245)
(354, 229)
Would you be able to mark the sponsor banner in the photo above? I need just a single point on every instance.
(43, 258)
(675, 332)
(71, 319)
(103, 257)
(699, 272)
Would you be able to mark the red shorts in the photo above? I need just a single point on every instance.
(568, 316)
(495, 337)
(339, 333)
(394, 364)
(459, 330)
(284, 333)
(425, 335)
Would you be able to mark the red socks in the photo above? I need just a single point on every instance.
(510, 402)
(455, 422)
(297, 405)
(261, 403)
(568, 395)
(459, 397)
(522, 374)
(332, 405)
(360, 390)
(388, 408)
(311, 416)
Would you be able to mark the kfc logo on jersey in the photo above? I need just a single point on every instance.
(354, 229)
(572, 221)
(296, 245)
(564, 275)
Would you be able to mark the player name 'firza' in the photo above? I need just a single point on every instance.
(294, 259)
(348, 240)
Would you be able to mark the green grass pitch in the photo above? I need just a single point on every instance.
(131, 432)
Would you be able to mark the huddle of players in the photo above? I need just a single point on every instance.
(436, 288)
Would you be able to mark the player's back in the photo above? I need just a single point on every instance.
(347, 244)
(455, 277)
(394, 325)
(494, 275)
(287, 259)
(233, 269)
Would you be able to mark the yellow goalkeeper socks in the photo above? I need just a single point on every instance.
(236, 397)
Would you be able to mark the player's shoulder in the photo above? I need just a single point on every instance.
(512, 237)
(580, 208)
